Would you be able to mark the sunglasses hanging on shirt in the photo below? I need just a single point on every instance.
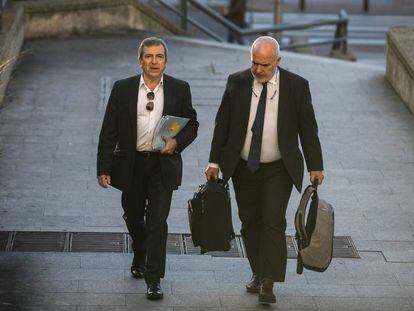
(150, 104)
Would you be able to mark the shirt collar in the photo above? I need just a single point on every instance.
(273, 80)
(143, 85)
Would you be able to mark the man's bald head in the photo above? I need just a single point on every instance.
(265, 57)
(267, 43)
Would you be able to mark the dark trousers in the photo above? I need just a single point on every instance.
(262, 198)
(146, 208)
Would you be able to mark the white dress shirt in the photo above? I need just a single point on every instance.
(148, 120)
(270, 147)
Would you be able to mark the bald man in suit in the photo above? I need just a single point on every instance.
(263, 112)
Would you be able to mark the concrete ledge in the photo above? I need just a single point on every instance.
(11, 41)
(64, 18)
(400, 63)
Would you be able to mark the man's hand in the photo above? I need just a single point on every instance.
(211, 173)
(170, 145)
(104, 181)
(316, 175)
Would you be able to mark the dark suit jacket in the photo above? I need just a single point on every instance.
(118, 137)
(295, 118)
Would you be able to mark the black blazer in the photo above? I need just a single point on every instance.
(117, 140)
(295, 118)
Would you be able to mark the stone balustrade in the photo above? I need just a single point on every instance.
(400, 63)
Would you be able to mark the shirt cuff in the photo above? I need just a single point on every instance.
(213, 165)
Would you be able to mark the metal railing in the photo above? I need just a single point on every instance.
(338, 41)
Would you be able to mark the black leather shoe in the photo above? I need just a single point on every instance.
(266, 291)
(253, 286)
(137, 272)
(154, 291)
(137, 267)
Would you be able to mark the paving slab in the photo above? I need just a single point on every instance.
(285, 303)
(379, 291)
(176, 300)
(363, 304)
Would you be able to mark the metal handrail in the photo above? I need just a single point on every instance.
(212, 14)
(276, 28)
(339, 41)
(191, 21)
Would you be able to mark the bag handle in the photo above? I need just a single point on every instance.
(300, 225)
(315, 183)
(218, 181)
(301, 211)
(301, 235)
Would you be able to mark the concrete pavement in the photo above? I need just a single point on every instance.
(49, 127)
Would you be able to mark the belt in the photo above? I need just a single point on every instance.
(276, 162)
(146, 154)
(268, 165)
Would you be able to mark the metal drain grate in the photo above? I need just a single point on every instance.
(39, 242)
(234, 251)
(4, 239)
(292, 250)
(344, 247)
(190, 249)
(97, 242)
(177, 244)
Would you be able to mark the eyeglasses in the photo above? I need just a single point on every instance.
(150, 104)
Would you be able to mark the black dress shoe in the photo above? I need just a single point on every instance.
(266, 291)
(253, 286)
(138, 267)
(154, 291)
(137, 272)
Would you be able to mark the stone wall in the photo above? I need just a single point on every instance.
(400, 63)
(41, 18)
(63, 18)
(11, 41)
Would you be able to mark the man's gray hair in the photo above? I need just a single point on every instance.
(151, 41)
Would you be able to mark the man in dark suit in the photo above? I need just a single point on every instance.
(127, 161)
(255, 142)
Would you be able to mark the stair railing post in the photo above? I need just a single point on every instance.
(366, 6)
(184, 11)
(341, 32)
(302, 5)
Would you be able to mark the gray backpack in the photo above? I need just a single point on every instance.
(315, 237)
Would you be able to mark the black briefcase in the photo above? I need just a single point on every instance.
(209, 215)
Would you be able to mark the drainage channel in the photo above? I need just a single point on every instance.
(177, 244)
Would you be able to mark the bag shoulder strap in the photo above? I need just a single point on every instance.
(300, 225)
(301, 211)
